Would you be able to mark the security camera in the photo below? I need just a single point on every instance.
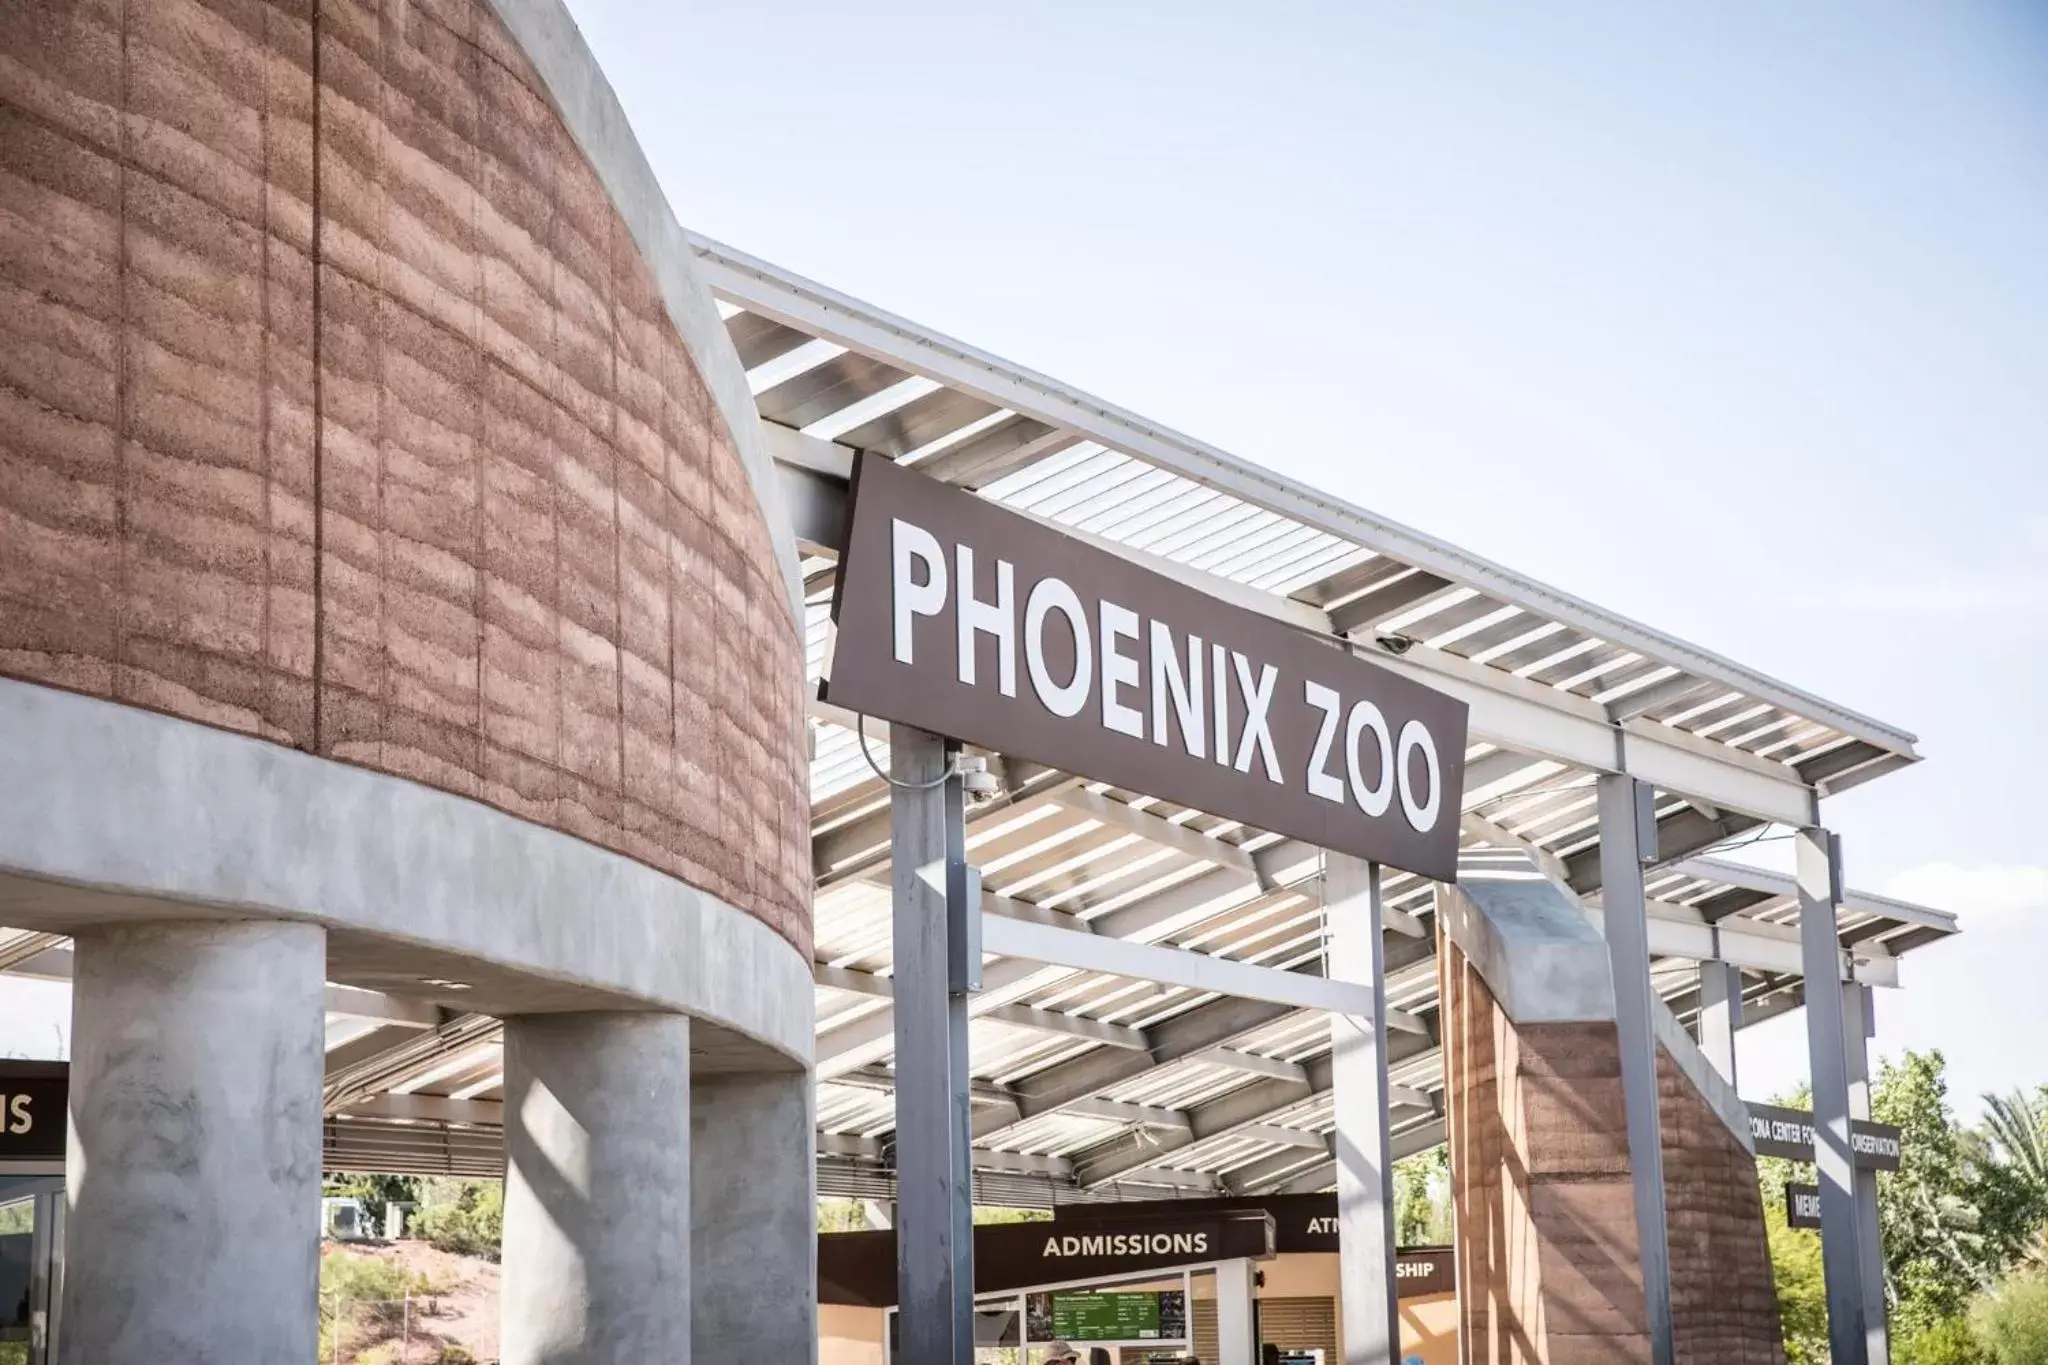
(979, 784)
(1395, 644)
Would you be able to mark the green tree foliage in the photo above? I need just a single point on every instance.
(1795, 1254)
(1950, 1341)
(1802, 1288)
(842, 1215)
(1953, 1217)
(1422, 1198)
(1962, 1220)
(465, 1217)
(995, 1213)
(2016, 1137)
(2011, 1322)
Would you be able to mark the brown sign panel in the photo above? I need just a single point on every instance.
(32, 1101)
(1802, 1206)
(860, 1267)
(1777, 1131)
(964, 618)
(1301, 1223)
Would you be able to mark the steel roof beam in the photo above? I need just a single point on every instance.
(860, 847)
(1297, 1138)
(1155, 829)
(1280, 1167)
(980, 460)
(1066, 1025)
(983, 1092)
(1079, 1078)
(1012, 938)
(1321, 1177)
(826, 313)
(1261, 1103)
(1777, 885)
(1544, 722)
(1139, 1115)
(1199, 1181)
(1253, 1064)
(435, 1108)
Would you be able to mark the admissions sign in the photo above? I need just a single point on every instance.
(33, 1097)
(964, 618)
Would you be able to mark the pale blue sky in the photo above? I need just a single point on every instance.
(1732, 318)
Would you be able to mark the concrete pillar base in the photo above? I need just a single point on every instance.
(193, 1174)
(597, 1189)
(754, 1244)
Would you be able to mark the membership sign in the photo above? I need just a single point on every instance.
(966, 619)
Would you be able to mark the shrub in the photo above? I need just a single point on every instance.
(2012, 1320)
(1948, 1341)
(465, 1217)
(362, 1296)
(451, 1354)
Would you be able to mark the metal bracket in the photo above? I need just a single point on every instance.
(963, 929)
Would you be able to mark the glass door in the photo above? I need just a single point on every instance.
(31, 1259)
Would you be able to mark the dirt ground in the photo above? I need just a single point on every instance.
(466, 1315)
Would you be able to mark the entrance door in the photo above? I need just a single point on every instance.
(31, 1257)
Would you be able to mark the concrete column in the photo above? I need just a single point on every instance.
(1720, 1015)
(754, 1218)
(193, 1171)
(597, 1189)
(1365, 1210)
(1237, 1337)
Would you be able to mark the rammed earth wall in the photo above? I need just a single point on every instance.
(337, 407)
(1549, 1263)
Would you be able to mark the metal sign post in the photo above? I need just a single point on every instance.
(938, 962)
(1365, 1207)
(1842, 1261)
(1628, 841)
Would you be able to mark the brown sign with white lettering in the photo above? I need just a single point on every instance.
(32, 1101)
(1777, 1131)
(1802, 1205)
(961, 617)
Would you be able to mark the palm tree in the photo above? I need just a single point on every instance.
(2017, 1125)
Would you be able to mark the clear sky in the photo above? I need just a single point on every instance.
(1731, 318)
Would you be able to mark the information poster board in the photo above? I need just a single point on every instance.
(1105, 1318)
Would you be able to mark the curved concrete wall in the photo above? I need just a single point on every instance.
(338, 407)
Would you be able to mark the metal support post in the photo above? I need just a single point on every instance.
(1820, 891)
(1858, 1028)
(1353, 912)
(934, 1192)
(1720, 1015)
(1628, 840)
(46, 1277)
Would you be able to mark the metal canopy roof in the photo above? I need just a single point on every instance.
(1098, 1086)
